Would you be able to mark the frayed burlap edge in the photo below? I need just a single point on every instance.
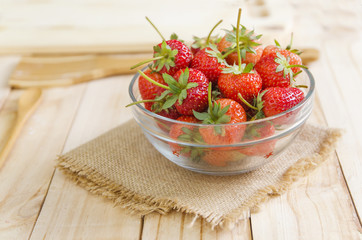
(94, 182)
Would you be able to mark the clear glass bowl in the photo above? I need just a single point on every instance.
(244, 154)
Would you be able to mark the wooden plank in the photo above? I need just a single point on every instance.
(7, 64)
(70, 212)
(318, 207)
(343, 91)
(25, 176)
(184, 227)
(115, 26)
(54, 71)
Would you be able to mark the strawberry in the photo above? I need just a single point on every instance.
(233, 81)
(150, 93)
(172, 55)
(194, 98)
(276, 71)
(222, 111)
(147, 89)
(239, 78)
(277, 99)
(251, 49)
(185, 133)
(169, 56)
(292, 54)
(208, 61)
(220, 158)
(259, 131)
(187, 91)
(200, 43)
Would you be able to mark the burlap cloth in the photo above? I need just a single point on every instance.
(123, 166)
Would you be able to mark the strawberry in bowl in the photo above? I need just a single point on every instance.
(222, 117)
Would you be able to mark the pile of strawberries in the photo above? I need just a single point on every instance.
(224, 80)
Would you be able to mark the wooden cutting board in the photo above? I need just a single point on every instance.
(65, 27)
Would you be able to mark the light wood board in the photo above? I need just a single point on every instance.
(38, 202)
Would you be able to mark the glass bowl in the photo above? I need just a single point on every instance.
(251, 151)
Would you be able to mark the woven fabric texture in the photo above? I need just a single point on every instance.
(123, 166)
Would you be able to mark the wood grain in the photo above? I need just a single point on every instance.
(120, 27)
(53, 71)
(25, 177)
(102, 108)
(350, 156)
(310, 209)
(27, 104)
(43, 204)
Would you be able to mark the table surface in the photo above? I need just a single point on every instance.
(39, 202)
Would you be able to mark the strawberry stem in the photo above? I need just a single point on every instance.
(153, 81)
(237, 39)
(301, 86)
(246, 102)
(209, 94)
(142, 101)
(146, 61)
(297, 65)
(228, 53)
(156, 29)
(208, 37)
(290, 44)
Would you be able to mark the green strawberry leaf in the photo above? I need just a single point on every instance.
(248, 68)
(201, 116)
(247, 40)
(218, 130)
(223, 119)
(184, 137)
(184, 77)
(174, 36)
(186, 130)
(191, 85)
(224, 110)
(162, 95)
(169, 79)
(277, 43)
(170, 102)
(167, 54)
(236, 70)
(214, 52)
(283, 65)
(182, 96)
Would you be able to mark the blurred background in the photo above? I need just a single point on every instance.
(70, 26)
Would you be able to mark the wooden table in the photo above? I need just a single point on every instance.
(39, 202)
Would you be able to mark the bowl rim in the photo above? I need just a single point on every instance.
(307, 97)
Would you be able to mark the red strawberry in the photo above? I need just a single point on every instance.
(277, 99)
(187, 91)
(169, 56)
(147, 89)
(222, 111)
(220, 158)
(240, 78)
(232, 81)
(175, 56)
(208, 61)
(251, 50)
(294, 58)
(292, 54)
(195, 98)
(259, 131)
(185, 133)
(275, 71)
